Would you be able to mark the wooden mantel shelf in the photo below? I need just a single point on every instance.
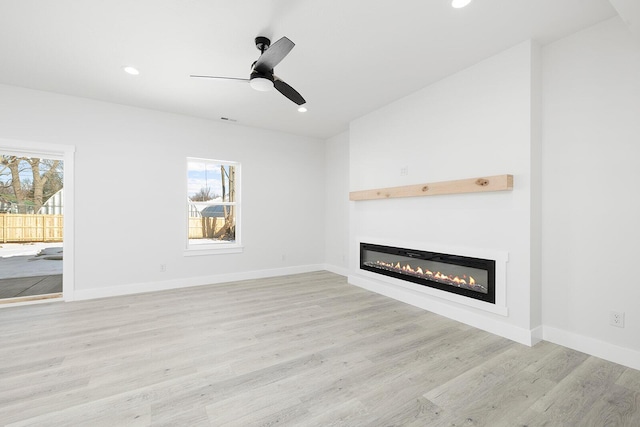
(471, 185)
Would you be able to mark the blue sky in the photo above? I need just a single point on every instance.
(202, 175)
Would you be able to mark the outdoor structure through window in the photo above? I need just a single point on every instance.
(213, 205)
(31, 226)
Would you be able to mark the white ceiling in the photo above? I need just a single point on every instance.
(351, 56)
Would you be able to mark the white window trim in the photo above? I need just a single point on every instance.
(216, 248)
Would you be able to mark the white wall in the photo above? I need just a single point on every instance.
(477, 122)
(130, 191)
(337, 203)
(591, 106)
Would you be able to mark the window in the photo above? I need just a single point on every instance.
(213, 206)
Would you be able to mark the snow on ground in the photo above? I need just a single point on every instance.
(22, 260)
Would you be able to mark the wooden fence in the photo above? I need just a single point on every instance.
(15, 228)
(204, 227)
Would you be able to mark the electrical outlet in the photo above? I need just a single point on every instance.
(163, 268)
(404, 171)
(616, 318)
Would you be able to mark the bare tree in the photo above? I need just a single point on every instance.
(228, 174)
(13, 164)
(40, 180)
(204, 195)
(55, 181)
(46, 178)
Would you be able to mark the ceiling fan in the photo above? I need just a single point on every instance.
(262, 77)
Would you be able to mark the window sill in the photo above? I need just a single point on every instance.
(210, 250)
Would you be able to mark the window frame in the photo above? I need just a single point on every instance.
(216, 247)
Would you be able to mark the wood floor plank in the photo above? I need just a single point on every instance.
(630, 379)
(418, 412)
(304, 349)
(571, 399)
(475, 384)
(558, 363)
(619, 406)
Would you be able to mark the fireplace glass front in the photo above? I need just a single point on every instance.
(471, 277)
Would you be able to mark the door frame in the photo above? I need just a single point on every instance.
(66, 153)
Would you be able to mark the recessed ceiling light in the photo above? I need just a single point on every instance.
(458, 4)
(302, 109)
(131, 70)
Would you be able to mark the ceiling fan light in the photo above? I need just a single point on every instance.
(262, 84)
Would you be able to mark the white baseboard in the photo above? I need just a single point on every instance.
(426, 302)
(604, 350)
(137, 288)
(537, 335)
(342, 271)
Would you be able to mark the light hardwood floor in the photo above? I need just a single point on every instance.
(303, 350)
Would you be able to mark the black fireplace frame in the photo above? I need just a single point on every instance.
(484, 264)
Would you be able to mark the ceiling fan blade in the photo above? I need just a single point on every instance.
(272, 56)
(220, 78)
(288, 91)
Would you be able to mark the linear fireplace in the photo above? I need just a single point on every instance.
(462, 275)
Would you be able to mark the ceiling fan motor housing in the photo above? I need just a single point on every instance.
(262, 43)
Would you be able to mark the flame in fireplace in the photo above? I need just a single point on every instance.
(438, 276)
